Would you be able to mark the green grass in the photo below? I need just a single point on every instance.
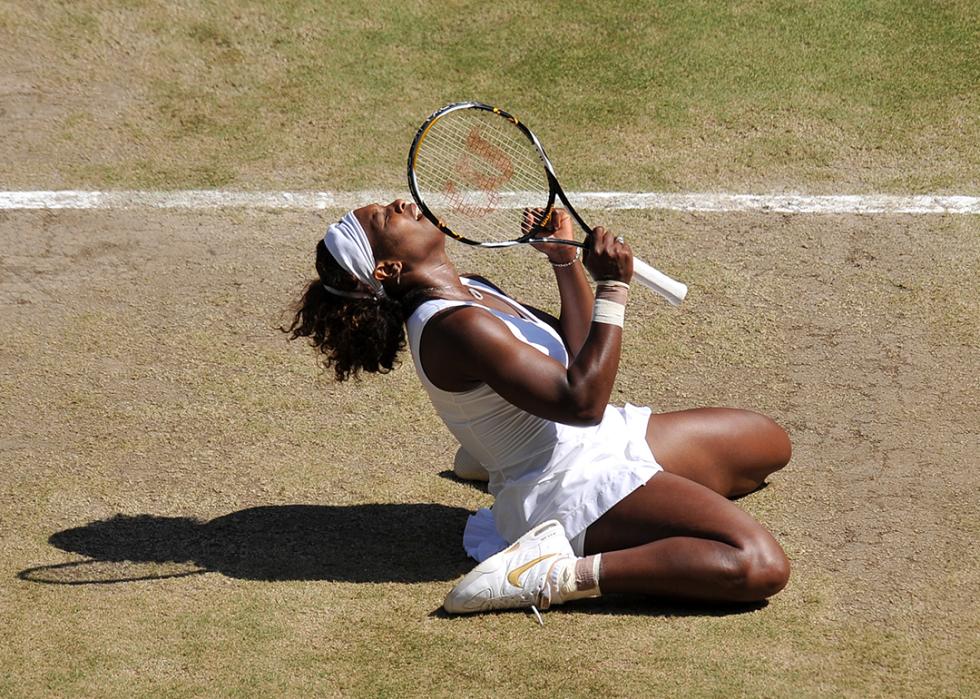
(822, 96)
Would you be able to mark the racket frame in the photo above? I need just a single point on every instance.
(671, 289)
(554, 189)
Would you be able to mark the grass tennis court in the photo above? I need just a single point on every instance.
(188, 509)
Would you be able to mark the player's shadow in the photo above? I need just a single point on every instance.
(405, 543)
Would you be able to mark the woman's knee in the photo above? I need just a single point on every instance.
(766, 444)
(756, 447)
(780, 444)
(760, 570)
(773, 444)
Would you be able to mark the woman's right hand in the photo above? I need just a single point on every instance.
(608, 258)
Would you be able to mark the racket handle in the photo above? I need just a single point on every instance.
(671, 289)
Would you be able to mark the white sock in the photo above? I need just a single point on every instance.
(575, 578)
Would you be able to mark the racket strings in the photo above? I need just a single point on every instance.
(476, 172)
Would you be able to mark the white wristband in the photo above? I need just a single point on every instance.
(606, 311)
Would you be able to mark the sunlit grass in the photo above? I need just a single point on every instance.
(823, 96)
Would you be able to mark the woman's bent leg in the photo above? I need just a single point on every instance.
(674, 537)
(727, 450)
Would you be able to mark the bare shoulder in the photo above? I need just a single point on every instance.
(457, 342)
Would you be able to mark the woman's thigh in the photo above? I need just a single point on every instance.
(678, 538)
(727, 450)
(674, 506)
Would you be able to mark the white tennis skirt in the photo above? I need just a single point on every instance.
(591, 469)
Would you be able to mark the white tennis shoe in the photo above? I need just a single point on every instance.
(517, 577)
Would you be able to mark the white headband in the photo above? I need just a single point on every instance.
(348, 243)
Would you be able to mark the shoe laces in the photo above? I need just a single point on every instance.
(543, 596)
(539, 596)
(537, 615)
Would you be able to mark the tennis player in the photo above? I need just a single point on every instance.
(589, 498)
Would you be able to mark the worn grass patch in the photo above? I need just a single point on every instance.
(190, 509)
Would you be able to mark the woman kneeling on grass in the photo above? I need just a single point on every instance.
(588, 496)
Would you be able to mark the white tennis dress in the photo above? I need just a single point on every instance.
(539, 469)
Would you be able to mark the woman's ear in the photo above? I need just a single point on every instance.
(387, 270)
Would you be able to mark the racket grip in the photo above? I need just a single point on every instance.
(671, 289)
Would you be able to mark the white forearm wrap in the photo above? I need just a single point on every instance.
(606, 311)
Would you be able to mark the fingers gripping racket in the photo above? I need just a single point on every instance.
(474, 170)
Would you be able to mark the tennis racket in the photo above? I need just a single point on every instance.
(475, 170)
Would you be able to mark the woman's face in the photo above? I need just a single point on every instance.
(399, 231)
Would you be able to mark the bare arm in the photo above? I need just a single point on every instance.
(576, 306)
(468, 346)
(574, 289)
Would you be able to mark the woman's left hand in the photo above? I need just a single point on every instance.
(558, 226)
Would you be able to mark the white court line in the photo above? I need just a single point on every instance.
(698, 201)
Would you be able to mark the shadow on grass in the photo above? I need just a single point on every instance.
(476, 485)
(648, 606)
(633, 605)
(762, 486)
(377, 543)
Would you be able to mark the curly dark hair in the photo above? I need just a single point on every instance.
(351, 334)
